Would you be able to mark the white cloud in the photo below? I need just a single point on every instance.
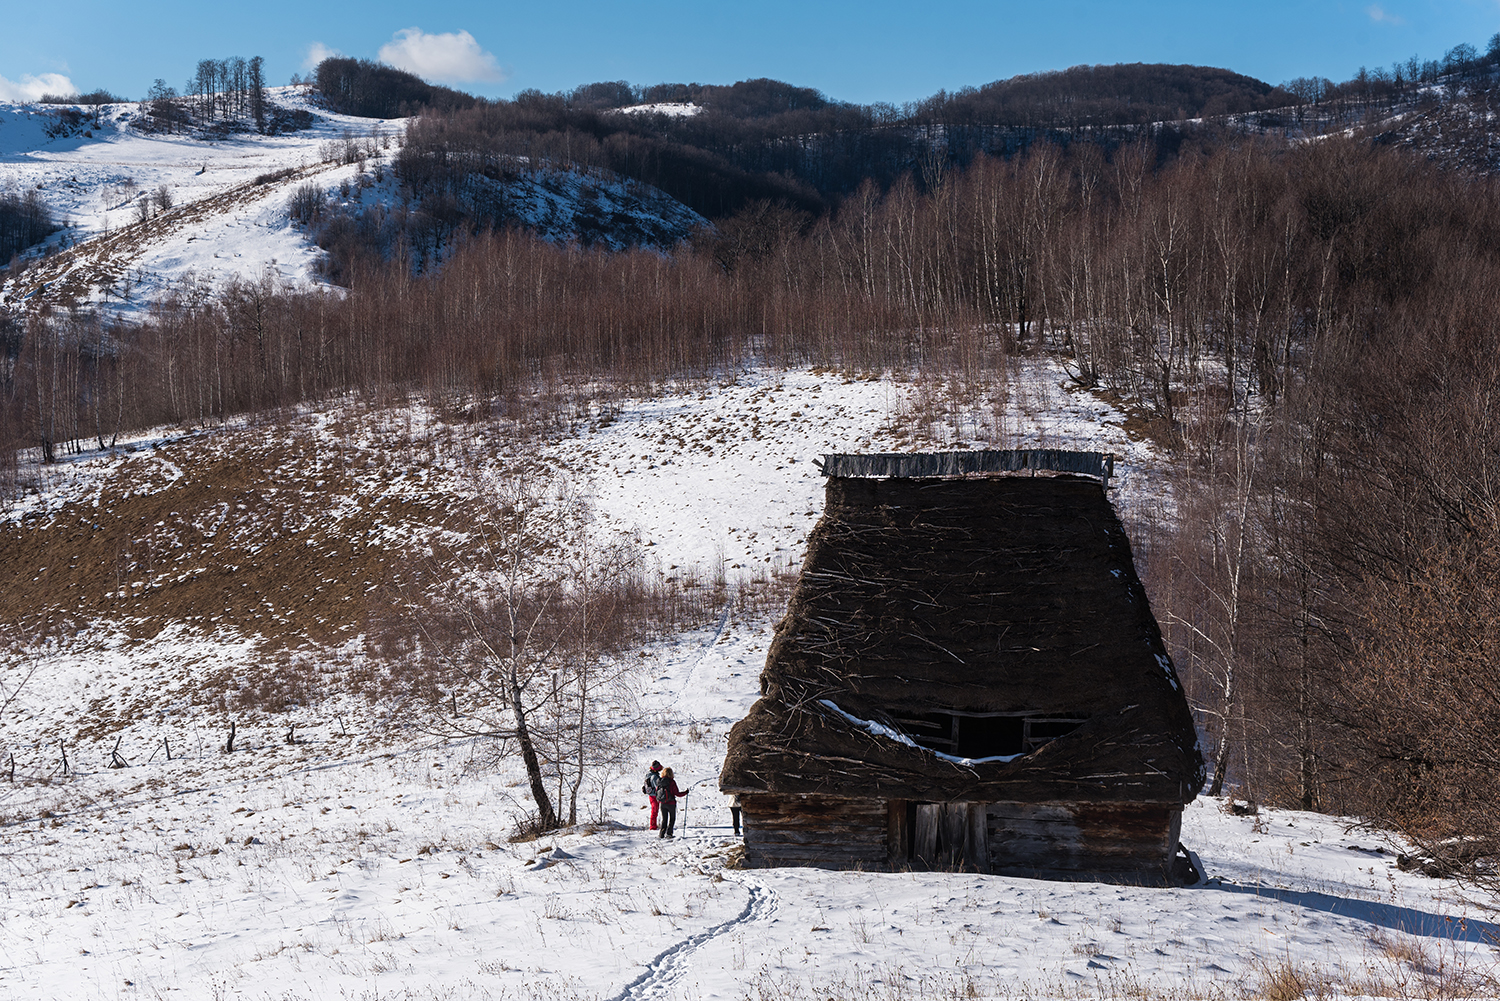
(1379, 15)
(316, 53)
(29, 88)
(451, 57)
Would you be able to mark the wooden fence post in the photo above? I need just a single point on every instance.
(229, 744)
(116, 760)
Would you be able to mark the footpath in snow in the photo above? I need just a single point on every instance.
(372, 860)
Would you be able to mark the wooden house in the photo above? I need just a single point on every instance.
(968, 675)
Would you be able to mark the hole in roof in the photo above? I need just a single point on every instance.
(987, 735)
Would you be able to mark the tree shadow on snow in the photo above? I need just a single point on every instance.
(1408, 920)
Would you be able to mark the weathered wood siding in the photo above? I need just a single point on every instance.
(1121, 840)
(883, 465)
(948, 836)
(814, 831)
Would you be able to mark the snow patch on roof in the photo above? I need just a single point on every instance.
(881, 730)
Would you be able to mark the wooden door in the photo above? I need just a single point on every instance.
(948, 836)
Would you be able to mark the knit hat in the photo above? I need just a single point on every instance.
(656, 766)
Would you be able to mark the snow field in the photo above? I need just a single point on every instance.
(218, 228)
(383, 874)
(229, 219)
(724, 475)
(370, 859)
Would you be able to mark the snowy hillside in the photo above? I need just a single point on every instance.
(669, 109)
(120, 249)
(368, 857)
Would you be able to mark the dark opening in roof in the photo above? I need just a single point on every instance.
(986, 735)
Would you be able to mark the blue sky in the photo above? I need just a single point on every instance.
(874, 50)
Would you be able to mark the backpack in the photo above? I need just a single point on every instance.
(649, 786)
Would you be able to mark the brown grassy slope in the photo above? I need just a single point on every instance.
(275, 533)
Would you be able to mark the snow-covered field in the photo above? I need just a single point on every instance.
(669, 109)
(229, 194)
(222, 225)
(372, 860)
(330, 871)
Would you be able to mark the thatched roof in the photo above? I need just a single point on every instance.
(989, 595)
(907, 465)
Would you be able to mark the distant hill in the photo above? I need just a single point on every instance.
(367, 89)
(1121, 94)
(764, 139)
(142, 205)
(1458, 133)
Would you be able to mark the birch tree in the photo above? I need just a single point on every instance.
(526, 620)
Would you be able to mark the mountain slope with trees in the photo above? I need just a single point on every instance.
(1308, 328)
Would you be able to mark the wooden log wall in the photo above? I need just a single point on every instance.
(1127, 840)
(814, 831)
(1120, 841)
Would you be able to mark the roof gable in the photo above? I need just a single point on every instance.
(990, 595)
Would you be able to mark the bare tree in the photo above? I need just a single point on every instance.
(522, 622)
(257, 84)
(1221, 561)
(595, 714)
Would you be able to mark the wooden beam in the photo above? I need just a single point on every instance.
(914, 465)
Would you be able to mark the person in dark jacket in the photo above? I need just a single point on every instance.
(653, 779)
(668, 793)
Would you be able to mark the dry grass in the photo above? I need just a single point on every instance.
(243, 537)
(1288, 981)
(306, 542)
(1401, 966)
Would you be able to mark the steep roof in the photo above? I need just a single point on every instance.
(979, 595)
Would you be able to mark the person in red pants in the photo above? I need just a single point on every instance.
(668, 793)
(650, 786)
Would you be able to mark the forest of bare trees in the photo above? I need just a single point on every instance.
(24, 221)
(222, 96)
(1311, 330)
(375, 90)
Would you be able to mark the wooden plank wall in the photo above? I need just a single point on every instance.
(814, 831)
(949, 836)
(1123, 839)
(1133, 842)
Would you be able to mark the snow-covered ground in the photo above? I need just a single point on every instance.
(673, 110)
(372, 860)
(229, 217)
(222, 224)
(725, 474)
